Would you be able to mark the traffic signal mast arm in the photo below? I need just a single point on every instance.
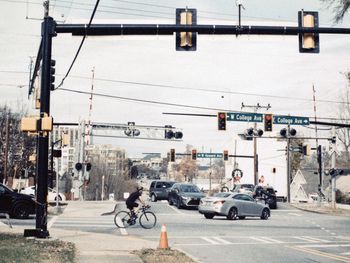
(169, 29)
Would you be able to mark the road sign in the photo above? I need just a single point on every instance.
(292, 120)
(248, 117)
(209, 155)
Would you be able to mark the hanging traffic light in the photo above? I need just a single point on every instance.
(268, 122)
(308, 42)
(52, 74)
(225, 155)
(194, 154)
(186, 41)
(222, 121)
(172, 155)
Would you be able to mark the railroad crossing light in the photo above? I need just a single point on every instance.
(268, 122)
(78, 166)
(283, 132)
(172, 155)
(258, 132)
(194, 154)
(178, 135)
(225, 155)
(292, 132)
(52, 74)
(308, 42)
(88, 167)
(222, 121)
(186, 41)
(248, 134)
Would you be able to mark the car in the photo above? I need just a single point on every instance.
(233, 206)
(15, 204)
(185, 195)
(266, 194)
(51, 194)
(158, 190)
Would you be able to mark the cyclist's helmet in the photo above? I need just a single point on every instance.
(139, 188)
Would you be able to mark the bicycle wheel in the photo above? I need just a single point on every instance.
(122, 219)
(148, 220)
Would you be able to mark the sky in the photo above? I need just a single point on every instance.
(223, 73)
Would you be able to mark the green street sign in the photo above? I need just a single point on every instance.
(291, 120)
(248, 117)
(209, 155)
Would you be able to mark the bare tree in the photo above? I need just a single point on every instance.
(340, 8)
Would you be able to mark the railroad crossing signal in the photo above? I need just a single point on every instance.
(222, 121)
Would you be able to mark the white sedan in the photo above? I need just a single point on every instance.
(52, 194)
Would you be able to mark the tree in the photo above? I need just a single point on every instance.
(15, 146)
(340, 7)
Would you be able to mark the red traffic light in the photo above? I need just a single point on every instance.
(221, 121)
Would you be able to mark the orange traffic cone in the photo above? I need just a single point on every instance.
(163, 242)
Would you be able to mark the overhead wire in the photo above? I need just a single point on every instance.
(81, 44)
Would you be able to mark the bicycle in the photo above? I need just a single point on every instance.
(147, 219)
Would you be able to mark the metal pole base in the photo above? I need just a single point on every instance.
(38, 233)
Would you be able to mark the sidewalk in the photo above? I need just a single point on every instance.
(323, 208)
(94, 247)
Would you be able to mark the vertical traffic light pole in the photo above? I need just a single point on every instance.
(47, 32)
(288, 165)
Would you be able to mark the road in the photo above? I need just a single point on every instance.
(290, 235)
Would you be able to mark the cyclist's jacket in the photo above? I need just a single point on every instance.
(133, 197)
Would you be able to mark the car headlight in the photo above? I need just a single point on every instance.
(185, 197)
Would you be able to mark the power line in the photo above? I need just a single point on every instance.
(164, 103)
(81, 44)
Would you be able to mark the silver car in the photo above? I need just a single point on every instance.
(233, 206)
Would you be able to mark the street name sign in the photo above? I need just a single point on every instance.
(209, 155)
(290, 120)
(248, 117)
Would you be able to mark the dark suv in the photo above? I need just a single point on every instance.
(158, 190)
(267, 194)
(15, 204)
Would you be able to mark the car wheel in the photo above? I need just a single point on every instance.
(170, 202)
(208, 216)
(232, 214)
(265, 214)
(20, 211)
(153, 198)
(241, 217)
(178, 203)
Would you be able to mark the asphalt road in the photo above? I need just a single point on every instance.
(290, 235)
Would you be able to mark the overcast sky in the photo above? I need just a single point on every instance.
(223, 73)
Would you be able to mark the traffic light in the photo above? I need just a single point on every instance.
(306, 150)
(172, 155)
(194, 154)
(225, 155)
(186, 41)
(308, 42)
(52, 74)
(268, 122)
(222, 121)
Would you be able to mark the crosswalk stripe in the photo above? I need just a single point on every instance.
(210, 240)
(223, 241)
(316, 239)
(305, 239)
(272, 240)
(260, 239)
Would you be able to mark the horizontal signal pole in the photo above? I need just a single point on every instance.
(168, 29)
(241, 156)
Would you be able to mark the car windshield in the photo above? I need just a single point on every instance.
(224, 195)
(4, 186)
(189, 188)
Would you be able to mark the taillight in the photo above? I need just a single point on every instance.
(219, 202)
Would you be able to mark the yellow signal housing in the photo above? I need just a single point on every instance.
(29, 124)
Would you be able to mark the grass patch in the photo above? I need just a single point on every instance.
(16, 248)
(163, 255)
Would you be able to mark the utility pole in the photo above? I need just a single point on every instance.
(256, 168)
(6, 146)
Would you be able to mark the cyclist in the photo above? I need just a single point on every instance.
(133, 201)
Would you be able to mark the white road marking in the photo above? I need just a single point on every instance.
(210, 240)
(306, 239)
(327, 245)
(177, 210)
(223, 241)
(294, 214)
(51, 222)
(316, 239)
(122, 230)
(272, 240)
(260, 239)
